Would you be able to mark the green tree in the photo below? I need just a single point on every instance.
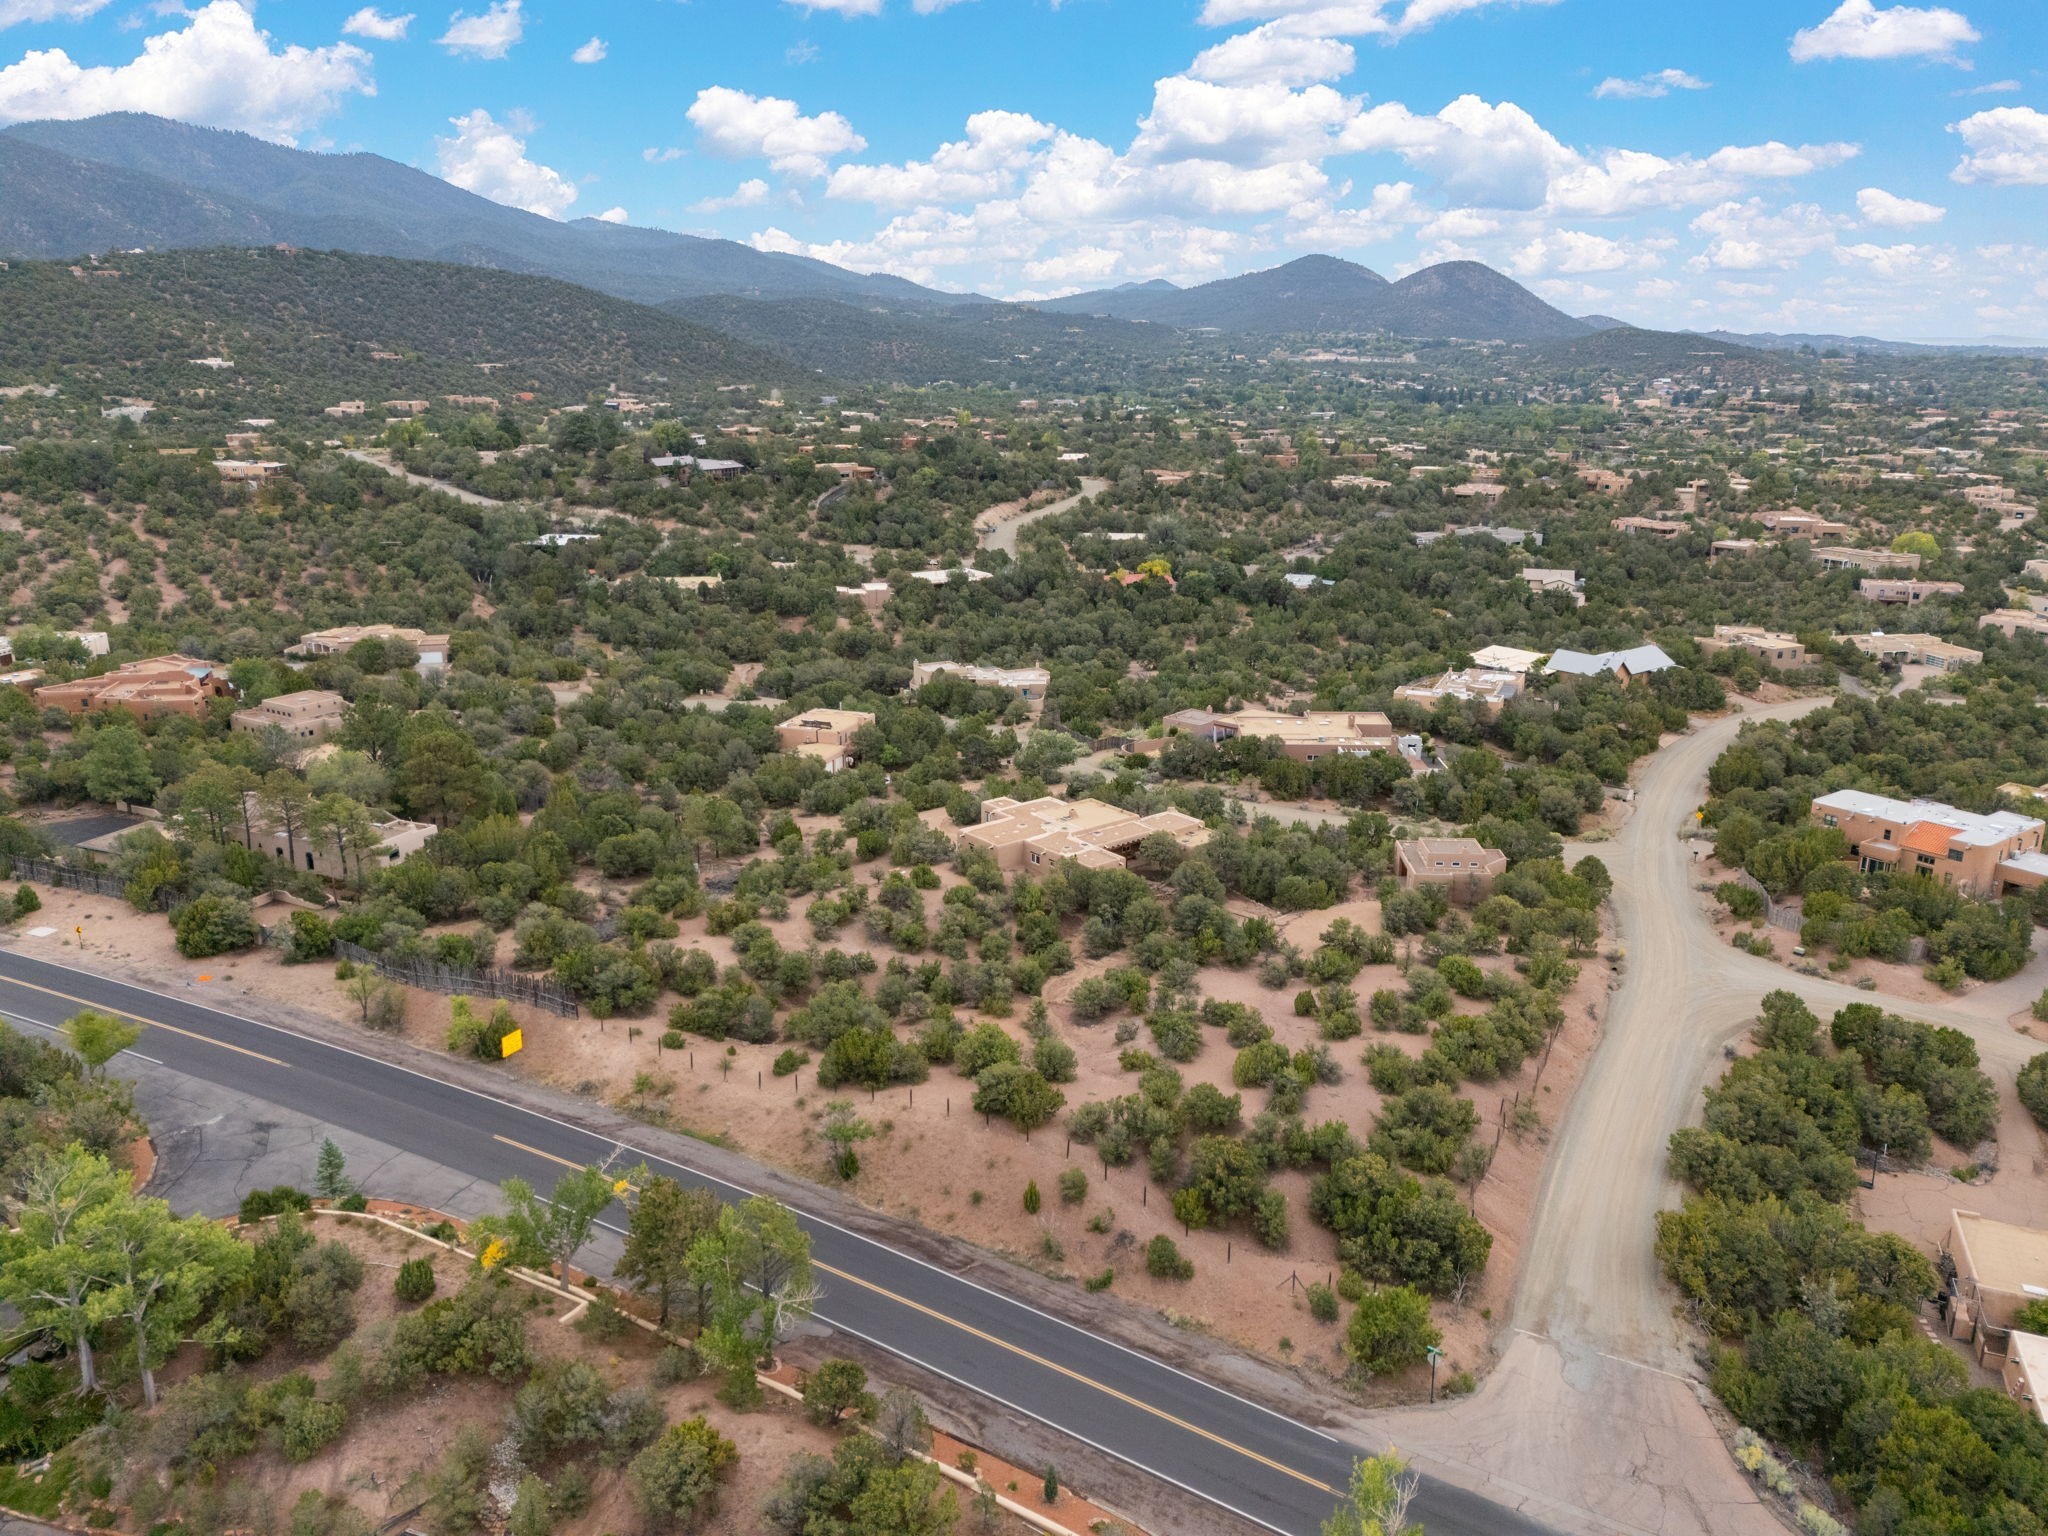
(1390, 1330)
(1376, 1503)
(54, 1278)
(285, 805)
(99, 1038)
(668, 1219)
(842, 1130)
(117, 768)
(675, 1480)
(161, 1272)
(549, 1232)
(330, 1173)
(755, 1267)
(836, 1388)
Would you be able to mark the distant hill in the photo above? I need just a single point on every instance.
(1771, 341)
(1459, 300)
(1627, 352)
(966, 343)
(300, 328)
(127, 180)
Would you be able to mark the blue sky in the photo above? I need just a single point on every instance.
(1838, 165)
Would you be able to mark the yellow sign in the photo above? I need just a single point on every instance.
(512, 1044)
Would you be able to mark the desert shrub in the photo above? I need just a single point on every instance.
(1055, 1060)
(306, 1426)
(1208, 1110)
(479, 1331)
(1257, 1065)
(414, 1282)
(214, 925)
(1322, 1303)
(1073, 1186)
(2033, 1089)
(1165, 1261)
(261, 1203)
(675, 1480)
(836, 1388)
(1390, 1330)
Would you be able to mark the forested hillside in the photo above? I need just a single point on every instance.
(301, 328)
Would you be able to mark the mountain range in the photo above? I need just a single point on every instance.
(126, 180)
(1457, 300)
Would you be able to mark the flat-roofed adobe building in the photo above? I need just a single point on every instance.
(1978, 855)
(431, 649)
(1025, 682)
(1473, 685)
(1033, 834)
(1989, 1271)
(1302, 737)
(311, 715)
(826, 734)
(1914, 651)
(147, 690)
(1773, 650)
(1462, 866)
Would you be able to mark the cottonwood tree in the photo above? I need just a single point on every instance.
(547, 1231)
(99, 1038)
(54, 1279)
(756, 1270)
(286, 804)
(161, 1272)
(1376, 1504)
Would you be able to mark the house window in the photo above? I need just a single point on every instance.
(1887, 834)
(1829, 821)
(1956, 855)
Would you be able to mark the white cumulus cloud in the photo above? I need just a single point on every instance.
(1894, 212)
(372, 23)
(840, 7)
(612, 216)
(15, 12)
(1859, 29)
(2008, 147)
(1648, 87)
(751, 193)
(998, 146)
(488, 158)
(592, 52)
(1268, 55)
(220, 69)
(489, 34)
(1348, 18)
(742, 126)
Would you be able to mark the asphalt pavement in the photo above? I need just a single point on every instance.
(1258, 1464)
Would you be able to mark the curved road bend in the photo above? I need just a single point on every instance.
(1264, 1467)
(1003, 535)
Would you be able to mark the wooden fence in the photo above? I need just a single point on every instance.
(79, 877)
(432, 976)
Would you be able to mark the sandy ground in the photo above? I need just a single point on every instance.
(378, 1464)
(935, 1162)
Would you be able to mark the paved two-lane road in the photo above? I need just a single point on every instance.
(1260, 1465)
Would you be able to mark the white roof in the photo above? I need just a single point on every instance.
(2031, 1351)
(1301, 581)
(1506, 658)
(1969, 827)
(2031, 862)
(940, 578)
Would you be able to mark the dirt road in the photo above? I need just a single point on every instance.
(1597, 1402)
(1003, 534)
(445, 487)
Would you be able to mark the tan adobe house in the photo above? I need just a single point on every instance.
(826, 734)
(1773, 650)
(1902, 590)
(397, 839)
(1025, 682)
(1037, 833)
(1302, 737)
(871, 595)
(1474, 684)
(1989, 1270)
(162, 685)
(1913, 651)
(433, 649)
(1464, 867)
(2015, 621)
(311, 715)
(1978, 855)
(2026, 1371)
(1834, 559)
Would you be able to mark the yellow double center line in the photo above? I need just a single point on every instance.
(1018, 1350)
(169, 1029)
